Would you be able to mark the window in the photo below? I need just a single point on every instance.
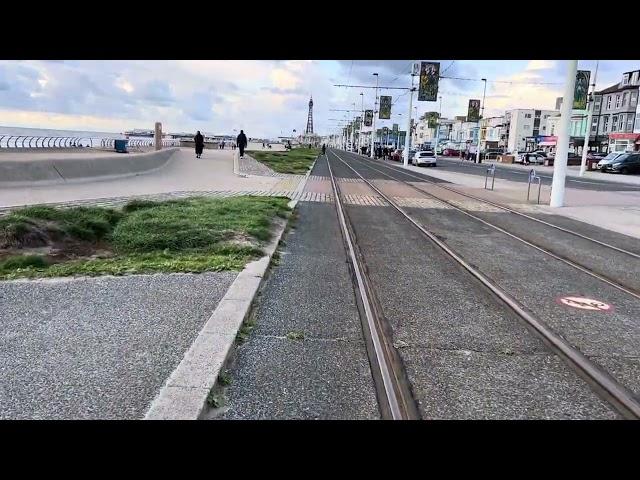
(544, 128)
(625, 97)
(634, 77)
(621, 123)
(527, 115)
(630, 122)
(594, 125)
(609, 102)
(633, 98)
(614, 122)
(526, 127)
(625, 79)
(605, 124)
(618, 101)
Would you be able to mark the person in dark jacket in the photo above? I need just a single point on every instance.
(242, 142)
(324, 149)
(199, 141)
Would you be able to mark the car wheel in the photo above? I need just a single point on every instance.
(624, 170)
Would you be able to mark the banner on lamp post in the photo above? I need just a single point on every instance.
(368, 118)
(581, 90)
(429, 76)
(432, 119)
(385, 108)
(473, 114)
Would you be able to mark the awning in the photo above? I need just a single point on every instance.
(624, 136)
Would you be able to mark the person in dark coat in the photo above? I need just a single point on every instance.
(199, 141)
(242, 142)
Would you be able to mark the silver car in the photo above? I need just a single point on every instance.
(424, 157)
(608, 160)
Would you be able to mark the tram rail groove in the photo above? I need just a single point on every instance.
(598, 276)
(390, 380)
(602, 383)
(504, 207)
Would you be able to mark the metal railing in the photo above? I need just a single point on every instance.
(532, 177)
(490, 171)
(34, 141)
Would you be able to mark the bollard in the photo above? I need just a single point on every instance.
(532, 177)
(491, 170)
(158, 136)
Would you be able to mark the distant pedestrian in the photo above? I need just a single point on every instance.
(242, 142)
(324, 149)
(199, 141)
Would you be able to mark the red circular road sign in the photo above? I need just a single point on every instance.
(584, 303)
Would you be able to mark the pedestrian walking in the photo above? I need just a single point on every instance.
(242, 142)
(324, 149)
(199, 141)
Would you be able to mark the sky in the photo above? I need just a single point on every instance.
(266, 98)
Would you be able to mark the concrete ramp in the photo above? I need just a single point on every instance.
(78, 168)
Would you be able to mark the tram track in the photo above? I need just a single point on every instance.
(601, 382)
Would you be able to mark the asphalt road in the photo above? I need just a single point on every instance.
(97, 348)
(522, 176)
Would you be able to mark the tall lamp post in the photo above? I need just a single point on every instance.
(361, 121)
(407, 142)
(435, 147)
(373, 127)
(481, 117)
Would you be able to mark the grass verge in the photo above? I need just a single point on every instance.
(188, 235)
(295, 161)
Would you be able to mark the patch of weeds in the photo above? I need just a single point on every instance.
(295, 335)
(275, 259)
(224, 378)
(245, 330)
(20, 262)
(215, 400)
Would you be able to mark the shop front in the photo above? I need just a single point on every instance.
(624, 142)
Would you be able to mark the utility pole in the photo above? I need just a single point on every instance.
(481, 118)
(585, 148)
(435, 147)
(407, 142)
(560, 161)
(361, 121)
(373, 128)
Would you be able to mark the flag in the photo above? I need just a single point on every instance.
(429, 76)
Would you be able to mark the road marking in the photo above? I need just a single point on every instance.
(584, 303)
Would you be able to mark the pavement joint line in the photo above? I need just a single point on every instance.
(201, 364)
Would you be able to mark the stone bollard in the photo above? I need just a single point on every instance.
(158, 136)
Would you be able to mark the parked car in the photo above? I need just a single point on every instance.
(608, 159)
(450, 152)
(397, 155)
(491, 153)
(535, 158)
(628, 162)
(424, 157)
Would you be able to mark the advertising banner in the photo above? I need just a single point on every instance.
(581, 90)
(473, 114)
(429, 76)
(385, 108)
(368, 118)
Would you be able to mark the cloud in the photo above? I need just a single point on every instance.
(541, 65)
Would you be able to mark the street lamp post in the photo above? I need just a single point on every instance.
(407, 142)
(435, 148)
(361, 121)
(585, 147)
(562, 148)
(481, 117)
(373, 127)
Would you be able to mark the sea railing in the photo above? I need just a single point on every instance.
(35, 141)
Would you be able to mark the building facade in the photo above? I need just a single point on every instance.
(524, 126)
(490, 132)
(614, 113)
